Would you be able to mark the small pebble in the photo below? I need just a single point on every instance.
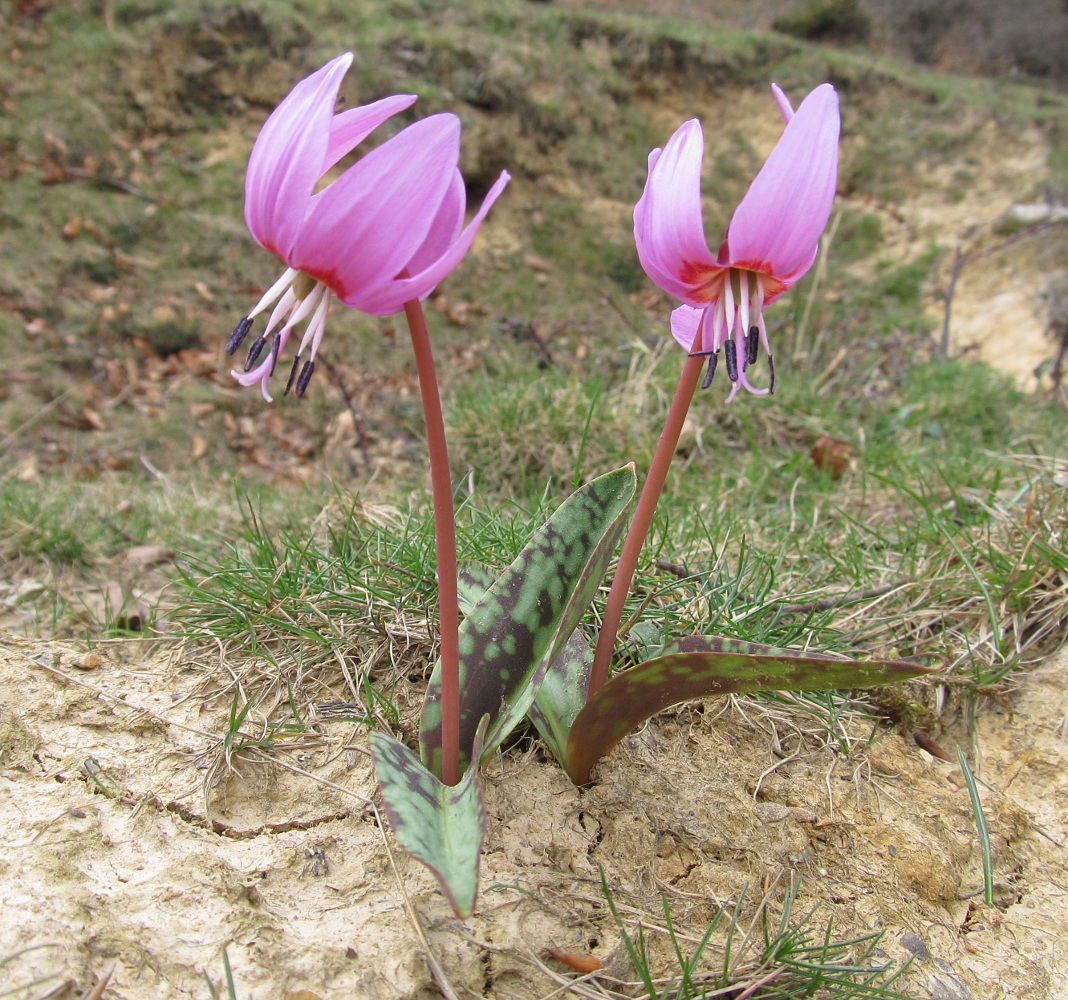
(771, 812)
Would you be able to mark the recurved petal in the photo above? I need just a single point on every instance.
(391, 295)
(786, 109)
(773, 289)
(779, 222)
(287, 158)
(668, 226)
(350, 128)
(685, 322)
(444, 229)
(366, 226)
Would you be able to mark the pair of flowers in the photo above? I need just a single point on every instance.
(390, 227)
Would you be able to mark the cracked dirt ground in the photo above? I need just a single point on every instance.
(110, 852)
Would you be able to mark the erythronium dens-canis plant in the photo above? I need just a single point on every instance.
(380, 238)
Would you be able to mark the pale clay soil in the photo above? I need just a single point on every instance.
(285, 865)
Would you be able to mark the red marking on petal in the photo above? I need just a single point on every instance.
(705, 282)
(331, 277)
(761, 268)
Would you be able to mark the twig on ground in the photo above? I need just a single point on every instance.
(827, 603)
(97, 991)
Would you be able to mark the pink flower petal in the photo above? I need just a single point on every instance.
(668, 226)
(366, 226)
(444, 229)
(287, 158)
(786, 109)
(350, 128)
(391, 296)
(685, 322)
(778, 224)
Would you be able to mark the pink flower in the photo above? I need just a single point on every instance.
(386, 231)
(771, 241)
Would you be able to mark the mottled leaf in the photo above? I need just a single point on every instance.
(562, 694)
(439, 825)
(704, 665)
(527, 615)
(472, 581)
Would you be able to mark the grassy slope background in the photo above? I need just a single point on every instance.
(124, 263)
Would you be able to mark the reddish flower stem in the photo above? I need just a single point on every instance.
(445, 539)
(642, 521)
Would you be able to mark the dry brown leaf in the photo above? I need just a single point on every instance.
(580, 963)
(92, 418)
(833, 455)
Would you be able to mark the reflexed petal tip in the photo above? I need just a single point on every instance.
(668, 223)
(786, 109)
(777, 226)
(391, 296)
(287, 158)
(685, 322)
(367, 226)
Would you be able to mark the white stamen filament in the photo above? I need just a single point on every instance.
(305, 306)
(744, 291)
(317, 325)
(275, 290)
(284, 306)
(729, 315)
(719, 325)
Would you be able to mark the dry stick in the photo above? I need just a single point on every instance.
(445, 540)
(643, 519)
(97, 991)
(359, 420)
(826, 603)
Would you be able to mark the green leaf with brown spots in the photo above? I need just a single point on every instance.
(473, 579)
(439, 825)
(704, 665)
(522, 622)
(562, 694)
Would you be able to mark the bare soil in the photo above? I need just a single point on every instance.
(115, 856)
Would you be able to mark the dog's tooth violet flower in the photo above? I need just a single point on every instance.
(385, 232)
(771, 241)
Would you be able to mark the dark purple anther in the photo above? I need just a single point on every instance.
(276, 346)
(771, 365)
(292, 375)
(752, 345)
(254, 353)
(237, 338)
(730, 355)
(713, 360)
(305, 377)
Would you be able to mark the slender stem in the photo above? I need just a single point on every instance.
(643, 519)
(445, 539)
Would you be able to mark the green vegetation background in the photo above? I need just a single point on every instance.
(124, 264)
